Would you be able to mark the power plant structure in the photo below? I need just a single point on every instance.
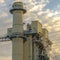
(30, 44)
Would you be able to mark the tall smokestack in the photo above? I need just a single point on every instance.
(17, 42)
(17, 11)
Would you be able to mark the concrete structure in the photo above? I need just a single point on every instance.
(17, 43)
(32, 44)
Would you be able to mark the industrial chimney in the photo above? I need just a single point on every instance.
(17, 30)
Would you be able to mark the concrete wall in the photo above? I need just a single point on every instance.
(18, 21)
(28, 49)
(17, 49)
(36, 52)
(36, 27)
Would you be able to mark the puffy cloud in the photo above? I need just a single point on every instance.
(1, 1)
(3, 14)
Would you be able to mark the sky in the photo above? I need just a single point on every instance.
(46, 11)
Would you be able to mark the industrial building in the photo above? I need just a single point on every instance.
(30, 44)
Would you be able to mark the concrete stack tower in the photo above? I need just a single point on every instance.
(32, 44)
(17, 43)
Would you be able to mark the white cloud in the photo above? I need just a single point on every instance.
(1, 1)
(3, 14)
(58, 6)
